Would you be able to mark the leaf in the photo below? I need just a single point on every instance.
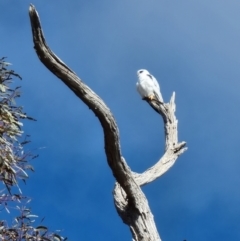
(41, 228)
(2, 88)
(47, 239)
(25, 142)
(32, 216)
(56, 237)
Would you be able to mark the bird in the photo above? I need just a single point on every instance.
(148, 87)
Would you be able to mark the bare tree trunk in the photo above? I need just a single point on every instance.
(130, 201)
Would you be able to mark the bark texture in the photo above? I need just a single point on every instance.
(130, 201)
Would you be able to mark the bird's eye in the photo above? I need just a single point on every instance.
(140, 71)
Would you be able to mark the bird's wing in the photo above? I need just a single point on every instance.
(158, 95)
(156, 88)
(155, 82)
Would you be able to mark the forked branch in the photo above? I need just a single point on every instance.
(130, 201)
(172, 150)
(142, 225)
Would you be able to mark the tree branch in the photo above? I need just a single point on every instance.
(173, 149)
(140, 218)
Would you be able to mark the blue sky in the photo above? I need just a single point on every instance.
(192, 48)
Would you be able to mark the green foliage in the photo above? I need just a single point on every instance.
(14, 164)
(22, 229)
(13, 160)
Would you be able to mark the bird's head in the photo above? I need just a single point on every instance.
(142, 72)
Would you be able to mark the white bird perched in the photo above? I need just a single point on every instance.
(148, 86)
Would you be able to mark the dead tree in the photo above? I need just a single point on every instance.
(130, 202)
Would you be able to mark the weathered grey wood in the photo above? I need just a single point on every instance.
(146, 229)
(172, 150)
(130, 201)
